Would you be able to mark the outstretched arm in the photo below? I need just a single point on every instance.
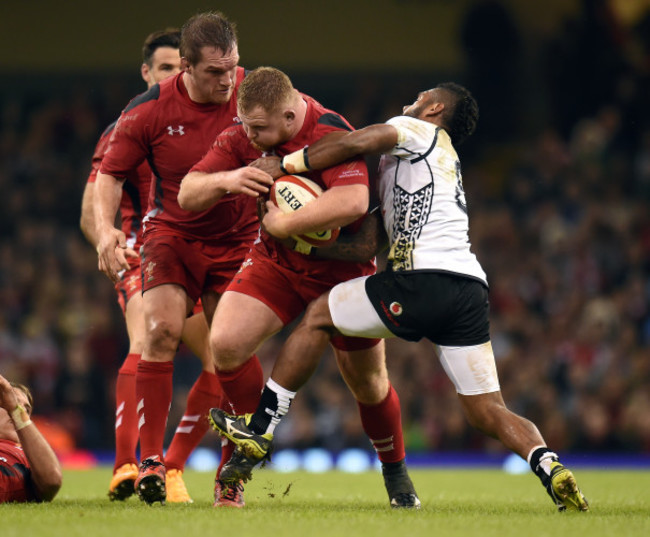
(331, 150)
(45, 468)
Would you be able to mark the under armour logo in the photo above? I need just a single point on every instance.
(171, 130)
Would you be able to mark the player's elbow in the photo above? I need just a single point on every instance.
(50, 484)
(357, 203)
(186, 200)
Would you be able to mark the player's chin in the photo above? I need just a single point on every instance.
(222, 97)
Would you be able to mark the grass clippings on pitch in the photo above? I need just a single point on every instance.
(467, 503)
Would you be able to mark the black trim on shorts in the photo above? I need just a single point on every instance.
(447, 308)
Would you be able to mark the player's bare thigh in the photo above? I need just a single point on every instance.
(165, 310)
(240, 325)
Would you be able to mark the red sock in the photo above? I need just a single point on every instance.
(126, 417)
(153, 388)
(204, 395)
(227, 447)
(383, 425)
(243, 386)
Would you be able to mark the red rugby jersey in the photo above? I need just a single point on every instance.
(15, 474)
(135, 192)
(232, 149)
(172, 132)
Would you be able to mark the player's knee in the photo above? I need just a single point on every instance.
(485, 414)
(317, 316)
(163, 336)
(227, 351)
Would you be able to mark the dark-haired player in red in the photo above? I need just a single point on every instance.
(185, 256)
(275, 283)
(161, 59)
(29, 469)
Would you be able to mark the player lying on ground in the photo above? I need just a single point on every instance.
(29, 469)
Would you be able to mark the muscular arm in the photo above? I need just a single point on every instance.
(200, 191)
(45, 467)
(332, 150)
(111, 242)
(87, 219)
(336, 207)
(365, 244)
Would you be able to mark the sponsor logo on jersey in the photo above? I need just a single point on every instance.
(180, 130)
(396, 308)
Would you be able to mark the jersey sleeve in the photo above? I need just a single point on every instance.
(98, 156)
(223, 155)
(414, 137)
(129, 144)
(350, 172)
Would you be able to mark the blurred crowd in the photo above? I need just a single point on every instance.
(559, 216)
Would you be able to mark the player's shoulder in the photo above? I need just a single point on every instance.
(324, 117)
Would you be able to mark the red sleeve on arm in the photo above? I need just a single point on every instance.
(350, 172)
(223, 155)
(129, 144)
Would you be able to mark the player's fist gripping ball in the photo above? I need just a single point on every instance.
(292, 192)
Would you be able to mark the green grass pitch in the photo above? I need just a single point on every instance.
(455, 502)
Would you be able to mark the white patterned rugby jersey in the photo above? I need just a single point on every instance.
(423, 202)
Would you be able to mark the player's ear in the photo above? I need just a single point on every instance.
(434, 109)
(289, 115)
(145, 72)
(185, 65)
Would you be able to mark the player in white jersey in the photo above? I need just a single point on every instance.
(434, 287)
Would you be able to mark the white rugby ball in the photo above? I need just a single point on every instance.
(292, 192)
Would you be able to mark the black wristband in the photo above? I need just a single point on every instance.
(306, 158)
(282, 168)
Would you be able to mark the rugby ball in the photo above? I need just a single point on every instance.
(292, 192)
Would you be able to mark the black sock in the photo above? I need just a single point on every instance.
(536, 458)
(266, 409)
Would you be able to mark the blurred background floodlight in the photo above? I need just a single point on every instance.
(353, 461)
(514, 464)
(317, 460)
(287, 460)
(203, 460)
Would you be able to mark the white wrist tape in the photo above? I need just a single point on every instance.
(20, 417)
(295, 162)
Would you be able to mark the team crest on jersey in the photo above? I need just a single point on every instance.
(180, 130)
(396, 308)
(149, 270)
(245, 264)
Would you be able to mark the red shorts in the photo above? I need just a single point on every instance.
(130, 283)
(197, 266)
(287, 293)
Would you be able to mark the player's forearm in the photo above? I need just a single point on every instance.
(45, 467)
(107, 197)
(336, 207)
(200, 191)
(364, 245)
(331, 150)
(87, 220)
